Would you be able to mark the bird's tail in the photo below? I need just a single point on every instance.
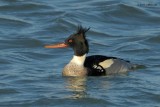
(137, 66)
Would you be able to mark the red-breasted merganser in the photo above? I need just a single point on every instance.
(96, 65)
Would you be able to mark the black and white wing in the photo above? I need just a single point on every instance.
(99, 65)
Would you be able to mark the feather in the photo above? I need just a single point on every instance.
(82, 30)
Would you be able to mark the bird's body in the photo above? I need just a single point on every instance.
(96, 65)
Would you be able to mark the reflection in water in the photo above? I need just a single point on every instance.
(78, 86)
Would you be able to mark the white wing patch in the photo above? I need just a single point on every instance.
(106, 63)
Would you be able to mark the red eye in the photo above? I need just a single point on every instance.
(70, 40)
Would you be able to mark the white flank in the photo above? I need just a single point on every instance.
(79, 60)
(106, 63)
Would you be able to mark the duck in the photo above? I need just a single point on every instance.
(94, 65)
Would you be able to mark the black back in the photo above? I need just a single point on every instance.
(92, 63)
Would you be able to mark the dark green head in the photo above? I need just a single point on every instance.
(78, 41)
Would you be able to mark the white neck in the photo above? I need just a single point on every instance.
(79, 60)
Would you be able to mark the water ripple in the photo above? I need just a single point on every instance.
(8, 91)
(10, 22)
(20, 42)
(19, 7)
(126, 14)
(154, 39)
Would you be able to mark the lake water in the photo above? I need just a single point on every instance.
(30, 75)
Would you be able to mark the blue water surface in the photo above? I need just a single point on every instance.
(30, 75)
